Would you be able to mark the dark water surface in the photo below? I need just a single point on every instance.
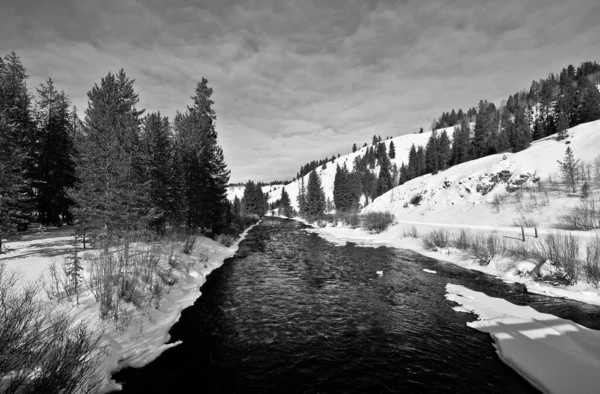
(292, 313)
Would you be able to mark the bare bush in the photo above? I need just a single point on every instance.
(436, 239)
(228, 239)
(526, 221)
(55, 281)
(348, 218)
(376, 221)
(586, 216)
(563, 251)
(42, 351)
(126, 277)
(411, 232)
(188, 244)
(591, 268)
(462, 241)
(485, 248)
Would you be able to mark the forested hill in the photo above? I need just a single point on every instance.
(551, 105)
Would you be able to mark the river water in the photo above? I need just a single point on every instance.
(293, 313)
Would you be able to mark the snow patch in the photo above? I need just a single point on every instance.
(554, 354)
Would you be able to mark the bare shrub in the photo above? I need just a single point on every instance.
(485, 248)
(411, 232)
(55, 281)
(597, 168)
(462, 241)
(526, 221)
(591, 268)
(586, 216)
(376, 221)
(348, 218)
(42, 351)
(436, 239)
(563, 251)
(228, 239)
(499, 201)
(188, 244)
(126, 277)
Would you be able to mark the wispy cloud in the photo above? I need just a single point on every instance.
(301, 80)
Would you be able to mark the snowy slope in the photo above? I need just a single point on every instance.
(238, 191)
(402, 146)
(459, 194)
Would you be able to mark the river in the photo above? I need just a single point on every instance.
(293, 313)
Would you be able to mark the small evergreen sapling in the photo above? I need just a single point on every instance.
(570, 168)
(74, 268)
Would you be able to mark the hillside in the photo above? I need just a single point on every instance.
(464, 194)
(402, 145)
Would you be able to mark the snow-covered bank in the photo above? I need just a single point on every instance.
(554, 354)
(143, 338)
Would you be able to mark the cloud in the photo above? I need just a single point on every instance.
(296, 81)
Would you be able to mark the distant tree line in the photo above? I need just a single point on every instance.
(114, 172)
(551, 106)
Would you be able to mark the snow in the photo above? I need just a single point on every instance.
(273, 192)
(452, 196)
(146, 336)
(429, 271)
(554, 354)
(402, 146)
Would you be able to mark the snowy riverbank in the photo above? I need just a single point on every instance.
(146, 335)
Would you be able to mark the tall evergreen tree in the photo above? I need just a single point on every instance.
(444, 152)
(353, 148)
(205, 170)
(315, 197)
(589, 101)
(285, 204)
(15, 122)
(158, 152)
(392, 151)
(54, 170)
(432, 154)
(301, 198)
(111, 196)
(522, 131)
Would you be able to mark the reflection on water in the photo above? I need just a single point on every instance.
(294, 313)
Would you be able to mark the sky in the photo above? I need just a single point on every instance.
(302, 80)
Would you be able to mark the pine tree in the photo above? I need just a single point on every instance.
(204, 165)
(444, 152)
(432, 154)
(54, 170)
(392, 151)
(315, 197)
(384, 181)
(15, 121)
(570, 168)
(353, 148)
(522, 131)
(301, 198)
(421, 166)
(589, 101)
(285, 204)
(111, 196)
(413, 166)
(157, 148)
(74, 269)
